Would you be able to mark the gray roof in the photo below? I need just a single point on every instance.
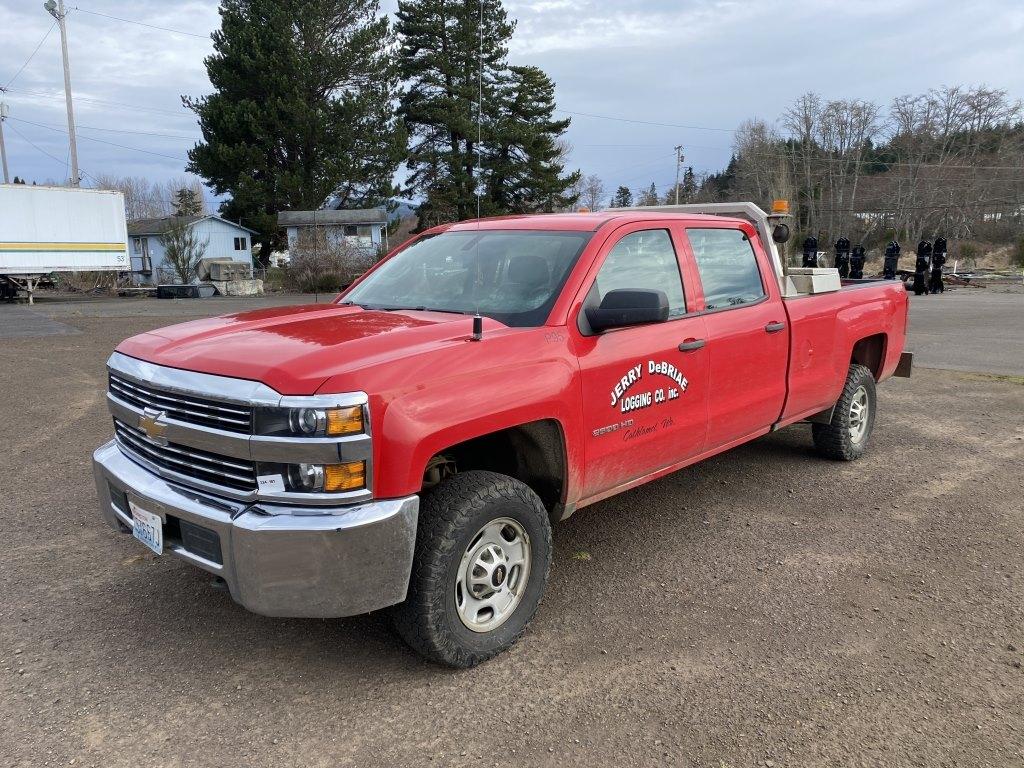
(163, 225)
(354, 216)
(159, 226)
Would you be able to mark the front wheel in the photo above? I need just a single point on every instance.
(483, 550)
(845, 437)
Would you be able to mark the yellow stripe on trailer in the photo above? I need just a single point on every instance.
(50, 247)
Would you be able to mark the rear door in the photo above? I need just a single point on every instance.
(644, 398)
(748, 339)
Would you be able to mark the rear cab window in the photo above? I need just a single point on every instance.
(727, 266)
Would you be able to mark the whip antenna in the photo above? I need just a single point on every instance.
(479, 112)
(478, 321)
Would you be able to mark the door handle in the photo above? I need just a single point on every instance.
(691, 345)
(774, 327)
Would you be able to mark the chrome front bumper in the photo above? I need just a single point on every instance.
(277, 560)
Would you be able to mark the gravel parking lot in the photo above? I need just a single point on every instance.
(763, 608)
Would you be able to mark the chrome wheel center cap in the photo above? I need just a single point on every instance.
(492, 575)
(498, 577)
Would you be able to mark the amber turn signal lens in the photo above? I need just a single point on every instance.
(345, 477)
(345, 421)
(780, 207)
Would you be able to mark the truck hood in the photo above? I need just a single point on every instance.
(296, 349)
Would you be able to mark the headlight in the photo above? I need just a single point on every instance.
(326, 478)
(334, 422)
(306, 478)
(311, 422)
(307, 421)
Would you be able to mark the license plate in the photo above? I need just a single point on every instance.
(147, 528)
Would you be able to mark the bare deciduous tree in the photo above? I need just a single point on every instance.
(144, 199)
(593, 193)
(321, 262)
(947, 159)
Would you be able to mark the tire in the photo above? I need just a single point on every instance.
(846, 437)
(458, 518)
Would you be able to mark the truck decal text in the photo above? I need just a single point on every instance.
(634, 402)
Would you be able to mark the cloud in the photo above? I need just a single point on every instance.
(670, 61)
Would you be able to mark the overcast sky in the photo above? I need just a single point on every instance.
(696, 64)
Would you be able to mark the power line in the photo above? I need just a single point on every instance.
(777, 154)
(634, 166)
(143, 24)
(139, 133)
(990, 204)
(645, 122)
(102, 141)
(888, 164)
(847, 161)
(36, 146)
(126, 130)
(30, 57)
(103, 102)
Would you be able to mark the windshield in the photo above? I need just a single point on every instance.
(511, 276)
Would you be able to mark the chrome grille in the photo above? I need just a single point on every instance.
(187, 408)
(239, 474)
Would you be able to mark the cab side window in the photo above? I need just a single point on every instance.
(727, 266)
(643, 261)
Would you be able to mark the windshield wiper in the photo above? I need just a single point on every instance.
(446, 311)
(421, 308)
(371, 307)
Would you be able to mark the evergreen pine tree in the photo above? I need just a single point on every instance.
(688, 189)
(441, 54)
(622, 198)
(648, 196)
(689, 186)
(302, 109)
(444, 43)
(523, 168)
(187, 202)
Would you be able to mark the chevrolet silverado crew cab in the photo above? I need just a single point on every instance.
(408, 445)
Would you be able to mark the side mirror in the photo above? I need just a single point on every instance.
(626, 307)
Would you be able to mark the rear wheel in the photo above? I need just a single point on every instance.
(845, 437)
(483, 550)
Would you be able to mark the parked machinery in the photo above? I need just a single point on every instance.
(924, 259)
(842, 261)
(938, 261)
(892, 258)
(810, 252)
(857, 263)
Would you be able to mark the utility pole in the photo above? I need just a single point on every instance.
(679, 162)
(56, 9)
(3, 150)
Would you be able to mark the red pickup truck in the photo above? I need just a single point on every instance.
(409, 445)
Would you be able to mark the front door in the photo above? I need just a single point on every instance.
(644, 397)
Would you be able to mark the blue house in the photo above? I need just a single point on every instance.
(224, 240)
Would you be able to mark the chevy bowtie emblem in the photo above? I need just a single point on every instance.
(151, 422)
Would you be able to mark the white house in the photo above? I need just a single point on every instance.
(364, 228)
(224, 240)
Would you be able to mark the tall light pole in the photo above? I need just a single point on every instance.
(3, 150)
(56, 9)
(679, 162)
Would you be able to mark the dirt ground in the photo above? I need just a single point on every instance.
(765, 608)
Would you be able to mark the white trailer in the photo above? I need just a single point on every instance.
(58, 229)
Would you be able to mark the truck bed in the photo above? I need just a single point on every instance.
(824, 329)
